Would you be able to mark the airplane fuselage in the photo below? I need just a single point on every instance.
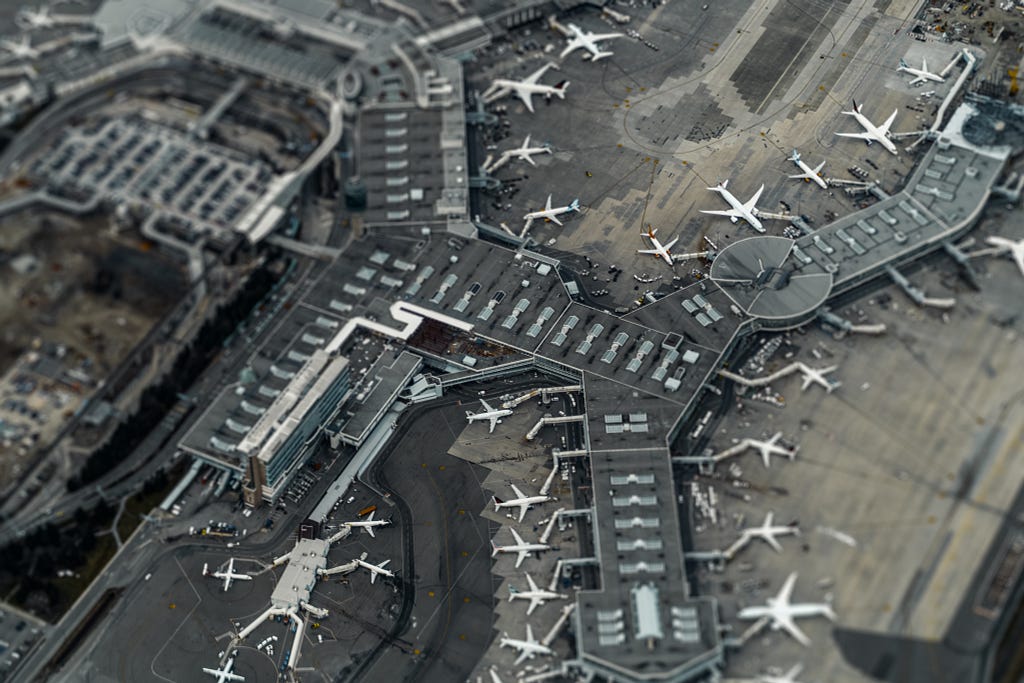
(811, 175)
(879, 136)
(737, 205)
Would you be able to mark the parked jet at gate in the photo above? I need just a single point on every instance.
(813, 376)
(1008, 246)
(526, 88)
(21, 49)
(535, 595)
(521, 547)
(528, 648)
(872, 133)
(660, 250)
(367, 524)
(224, 675)
(771, 447)
(920, 75)
(549, 213)
(374, 569)
(781, 612)
(766, 532)
(747, 212)
(588, 41)
(525, 153)
(809, 174)
(228, 575)
(521, 501)
(30, 18)
(489, 413)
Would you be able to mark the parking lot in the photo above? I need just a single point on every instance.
(18, 632)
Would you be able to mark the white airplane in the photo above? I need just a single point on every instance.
(588, 41)
(375, 569)
(30, 18)
(549, 213)
(767, 533)
(489, 413)
(747, 212)
(21, 49)
(521, 547)
(771, 447)
(872, 133)
(921, 75)
(662, 251)
(788, 677)
(368, 524)
(224, 675)
(813, 376)
(809, 174)
(521, 501)
(228, 575)
(782, 613)
(526, 88)
(526, 152)
(535, 595)
(528, 648)
(1008, 246)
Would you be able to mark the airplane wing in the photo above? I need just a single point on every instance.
(529, 634)
(515, 535)
(773, 543)
(522, 556)
(547, 204)
(528, 159)
(668, 246)
(787, 590)
(817, 169)
(370, 530)
(494, 422)
(534, 603)
(752, 204)
(515, 490)
(731, 213)
(373, 577)
(526, 97)
(383, 564)
(884, 128)
(487, 406)
(647, 251)
(526, 142)
(536, 75)
(574, 44)
(227, 582)
(917, 79)
(1018, 256)
(522, 511)
(604, 36)
(792, 629)
(924, 64)
(555, 219)
(533, 584)
(523, 656)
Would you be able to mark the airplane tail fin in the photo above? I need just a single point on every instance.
(497, 503)
(795, 156)
(651, 232)
(601, 55)
(560, 89)
(903, 64)
(575, 206)
(494, 549)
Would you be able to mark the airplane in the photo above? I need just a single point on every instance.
(489, 413)
(588, 41)
(921, 75)
(812, 376)
(872, 133)
(368, 524)
(528, 648)
(224, 675)
(809, 173)
(770, 447)
(30, 18)
(521, 501)
(1008, 246)
(525, 152)
(747, 212)
(495, 678)
(788, 677)
(228, 575)
(549, 213)
(521, 547)
(375, 569)
(660, 250)
(21, 49)
(765, 532)
(526, 88)
(782, 613)
(535, 595)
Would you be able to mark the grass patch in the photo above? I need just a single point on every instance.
(69, 588)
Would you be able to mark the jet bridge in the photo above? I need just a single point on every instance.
(563, 419)
(543, 392)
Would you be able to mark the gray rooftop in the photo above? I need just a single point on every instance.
(380, 387)
(300, 574)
